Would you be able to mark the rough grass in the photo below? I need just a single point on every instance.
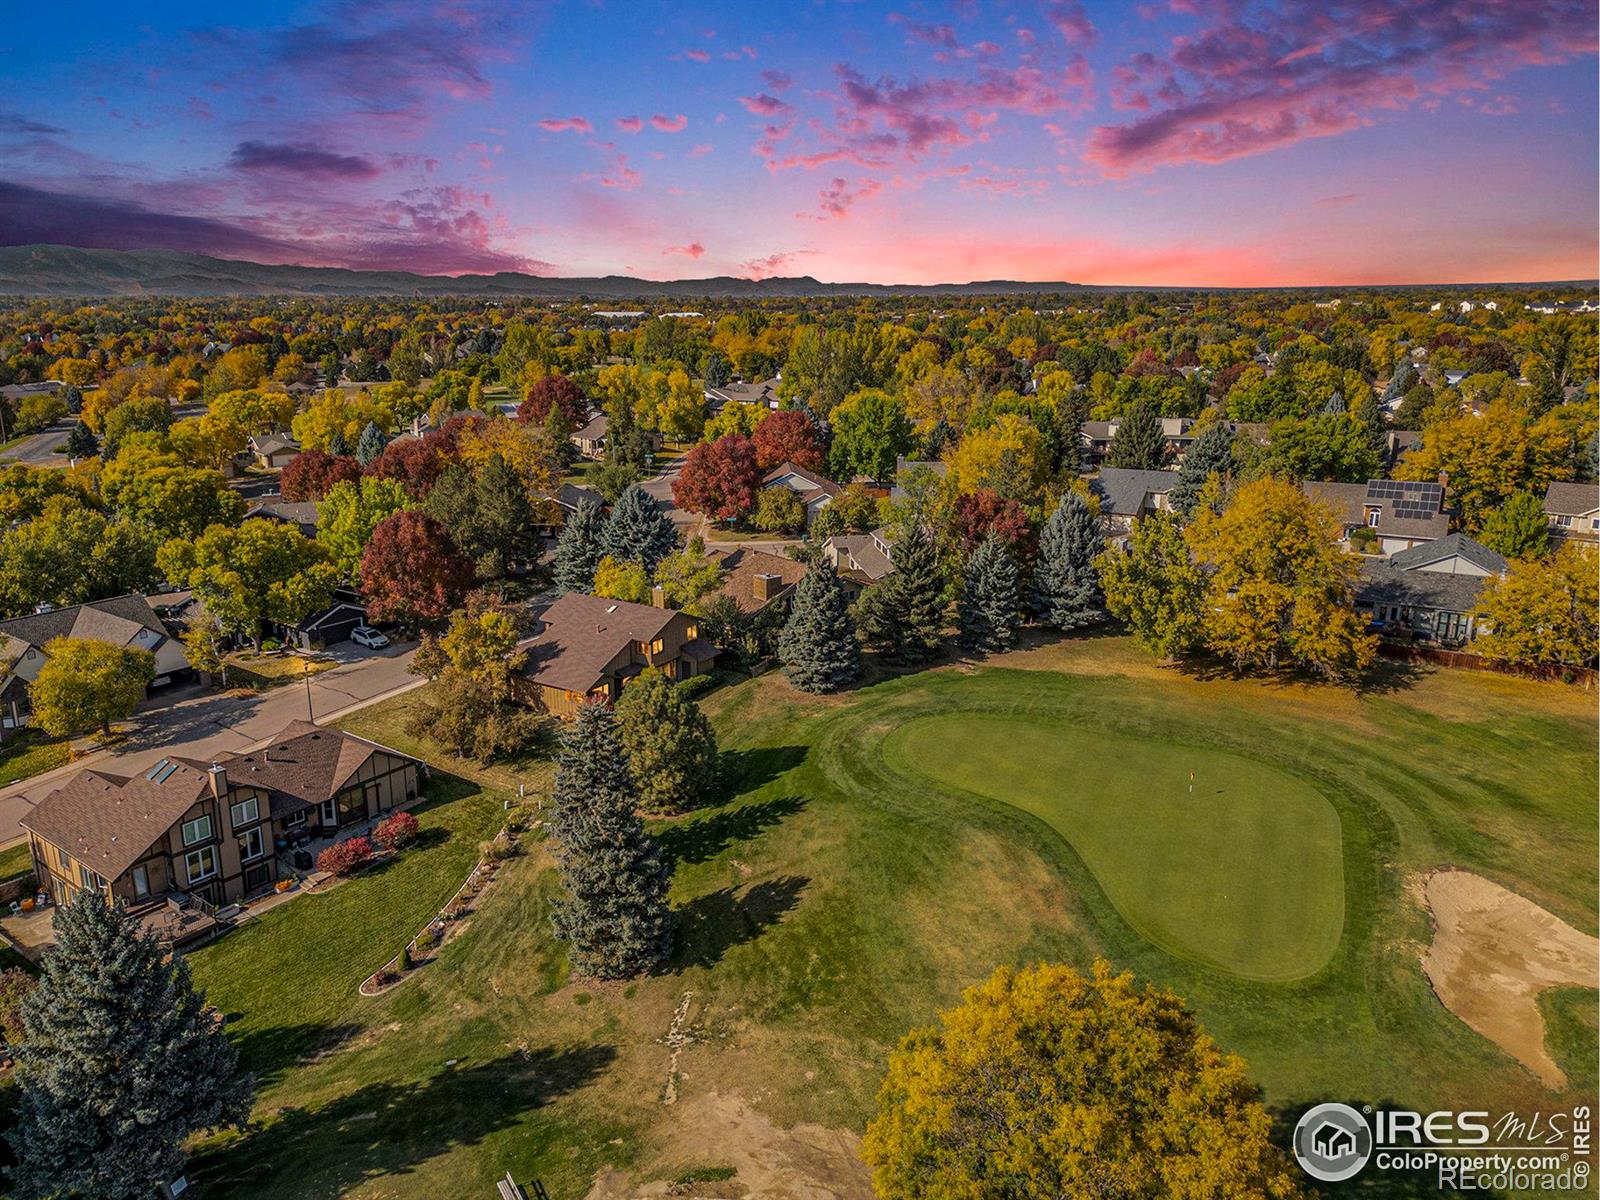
(833, 899)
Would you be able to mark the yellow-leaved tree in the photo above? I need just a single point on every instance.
(1543, 611)
(1281, 587)
(1045, 1083)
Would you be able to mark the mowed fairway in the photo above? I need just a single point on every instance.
(1243, 872)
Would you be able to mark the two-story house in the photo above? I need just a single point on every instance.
(1400, 513)
(1126, 494)
(588, 647)
(1573, 510)
(210, 829)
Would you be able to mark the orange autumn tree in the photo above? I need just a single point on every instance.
(1044, 1083)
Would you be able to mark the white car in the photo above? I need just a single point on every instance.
(365, 635)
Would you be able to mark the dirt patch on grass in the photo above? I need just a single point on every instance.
(713, 1134)
(1493, 952)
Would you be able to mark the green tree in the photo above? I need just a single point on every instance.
(88, 684)
(350, 512)
(472, 709)
(1139, 443)
(672, 750)
(1333, 446)
(1066, 587)
(71, 554)
(166, 496)
(619, 579)
(248, 575)
(870, 429)
(487, 514)
(1044, 1084)
(638, 530)
(818, 644)
(1156, 588)
(122, 1063)
(779, 510)
(903, 616)
(579, 548)
(370, 444)
(405, 360)
(989, 609)
(1544, 611)
(686, 575)
(614, 914)
(1211, 453)
(149, 414)
(1518, 528)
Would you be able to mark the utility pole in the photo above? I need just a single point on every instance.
(306, 664)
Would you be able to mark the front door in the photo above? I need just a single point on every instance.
(329, 812)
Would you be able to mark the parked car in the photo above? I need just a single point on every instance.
(365, 635)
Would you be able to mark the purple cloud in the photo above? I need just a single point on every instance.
(311, 161)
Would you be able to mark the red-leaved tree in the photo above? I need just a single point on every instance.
(346, 857)
(787, 437)
(986, 512)
(411, 571)
(311, 474)
(396, 832)
(719, 479)
(554, 390)
(416, 462)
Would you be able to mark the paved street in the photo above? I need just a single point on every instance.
(198, 726)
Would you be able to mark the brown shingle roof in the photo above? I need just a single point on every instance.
(1571, 499)
(582, 634)
(742, 566)
(816, 481)
(107, 822)
(303, 765)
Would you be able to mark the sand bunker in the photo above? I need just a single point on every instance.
(1493, 952)
(807, 1162)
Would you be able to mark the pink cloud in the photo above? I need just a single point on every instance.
(769, 265)
(692, 250)
(1070, 21)
(701, 150)
(629, 124)
(699, 56)
(566, 125)
(668, 124)
(764, 105)
(778, 81)
(1258, 79)
(837, 198)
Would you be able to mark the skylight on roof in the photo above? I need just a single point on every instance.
(156, 770)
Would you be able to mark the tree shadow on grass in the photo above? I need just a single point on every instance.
(389, 1129)
(712, 925)
(701, 840)
(270, 1053)
(746, 770)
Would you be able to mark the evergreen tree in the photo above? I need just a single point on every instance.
(81, 442)
(818, 645)
(638, 530)
(1066, 586)
(1334, 406)
(990, 606)
(672, 750)
(615, 913)
(370, 445)
(716, 370)
(338, 444)
(919, 595)
(1211, 452)
(1072, 410)
(939, 436)
(579, 549)
(122, 1061)
(1139, 443)
(1368, 412)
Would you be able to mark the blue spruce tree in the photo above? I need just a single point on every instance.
(1066, 586)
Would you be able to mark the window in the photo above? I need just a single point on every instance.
(89, 879)
(141, 883)
(657, 646)
(246, 812)
(1373, 518)
(295, 819)
(200, 864)
(1564, 520)
(330, 812)
(251, 845)
(197, 830)
(691, 633)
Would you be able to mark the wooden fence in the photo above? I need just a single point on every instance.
(1475, 662)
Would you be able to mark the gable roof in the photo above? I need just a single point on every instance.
(862, 552)
(1382, 583)
(271, 443)
(276, 508)
(594, 430)
(570, 495)
(107, 822)
(1406, 509)
(740, 568)
(116, 620)
(817, 482)
(1571, 499)
(303, 765)
(1122, 490)
(582, 634)
(1449, 546)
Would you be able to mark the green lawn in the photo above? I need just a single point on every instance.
(1242, 870)
(15, 861)
(879, 851)
(32, 753)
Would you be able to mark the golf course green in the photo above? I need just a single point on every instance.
(1241, 871)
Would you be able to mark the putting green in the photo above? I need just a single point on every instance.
(1244, 873)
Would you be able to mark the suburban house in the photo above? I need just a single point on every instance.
(302, 514)
(755, 580)
(1400, 513)
(1097, 437)
(591, 439)
(815, 491)
(1429, 592)
(905, 467)
(273, 451)
(122, 621)
(861, 559)
(210, 830)
(1126, 494)
(589, 647)
(327, 626)
(561, 504)
(1573, 510)
(762, 392)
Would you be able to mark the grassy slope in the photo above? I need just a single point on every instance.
(838, 901)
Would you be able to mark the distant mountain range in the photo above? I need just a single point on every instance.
(71, 271)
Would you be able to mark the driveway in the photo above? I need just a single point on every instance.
(39, 449)
(211, 723)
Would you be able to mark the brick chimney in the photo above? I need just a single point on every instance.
(767, 585)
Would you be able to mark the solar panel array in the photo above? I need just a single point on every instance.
(1405, 499)
(1414, 510)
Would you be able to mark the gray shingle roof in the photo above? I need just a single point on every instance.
(1571, 499)
(1381, 583)
(1122, 490)
(1451, 544)
(114, 620)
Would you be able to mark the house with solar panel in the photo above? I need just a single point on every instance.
(1399, 514)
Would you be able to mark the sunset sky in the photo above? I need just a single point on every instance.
(1172, 142)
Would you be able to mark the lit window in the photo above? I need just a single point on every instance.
(197, 830)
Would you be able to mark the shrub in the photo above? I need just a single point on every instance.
(427, 940)
(346, 857)
(406, 962)
(497, 849)
(396, 832)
